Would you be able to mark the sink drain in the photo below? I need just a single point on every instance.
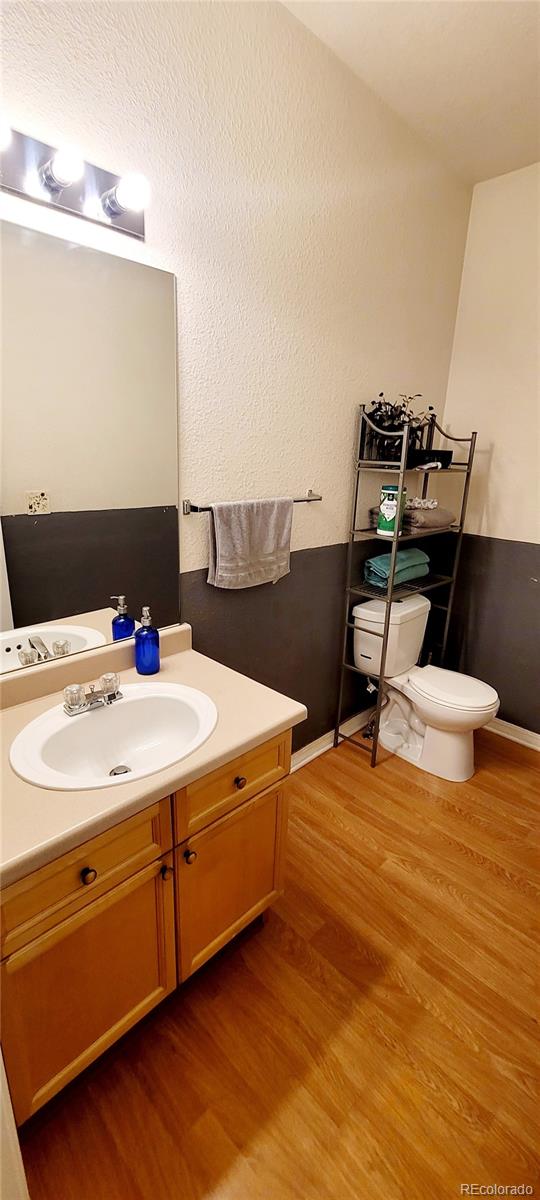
(120, 770)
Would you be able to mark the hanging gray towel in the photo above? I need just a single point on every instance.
(250, 542)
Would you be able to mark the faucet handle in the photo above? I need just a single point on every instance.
(74, 697)
(110, 683)
(61, 647)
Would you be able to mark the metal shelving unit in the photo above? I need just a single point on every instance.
(370, 739)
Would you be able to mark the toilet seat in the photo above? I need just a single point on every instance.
(452, 689)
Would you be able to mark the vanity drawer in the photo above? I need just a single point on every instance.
(207, 799)
(39, 901)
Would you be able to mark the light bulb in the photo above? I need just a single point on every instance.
(131, 194)
(66, 166)
(5, 134)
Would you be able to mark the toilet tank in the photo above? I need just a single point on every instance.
(408, 619)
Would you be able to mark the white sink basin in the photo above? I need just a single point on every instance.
(150, 727)
(80, 637)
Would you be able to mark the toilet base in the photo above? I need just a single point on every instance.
(437, 751)
(448, 755)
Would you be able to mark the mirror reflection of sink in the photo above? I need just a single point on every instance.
(152, 726)
(12, 640)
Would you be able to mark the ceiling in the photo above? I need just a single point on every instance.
(464, 73)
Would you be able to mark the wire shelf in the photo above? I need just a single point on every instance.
(374, 464)
(401, 590)
(414, 587)
(370, 533)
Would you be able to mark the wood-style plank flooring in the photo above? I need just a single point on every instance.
(375, 1039)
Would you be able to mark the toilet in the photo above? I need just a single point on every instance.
(430, 713)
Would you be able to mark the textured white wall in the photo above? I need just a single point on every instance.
(317, 241)
(494, 374)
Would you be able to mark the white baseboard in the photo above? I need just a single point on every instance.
(515, 733)
(324, 743)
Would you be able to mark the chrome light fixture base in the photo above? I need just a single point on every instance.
(25, 170)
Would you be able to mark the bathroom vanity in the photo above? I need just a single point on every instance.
(177, 864)
(121, 873)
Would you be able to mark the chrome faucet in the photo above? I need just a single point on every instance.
(78, 700)
(38, 644)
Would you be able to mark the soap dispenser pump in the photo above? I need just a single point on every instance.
(123, 626)
(147, 645)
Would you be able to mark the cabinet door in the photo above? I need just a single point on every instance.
(227, 875)
(72, 992)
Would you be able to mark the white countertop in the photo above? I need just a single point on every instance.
(38, 825)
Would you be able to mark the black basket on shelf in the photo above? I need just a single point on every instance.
(420, 457)
(381, 437)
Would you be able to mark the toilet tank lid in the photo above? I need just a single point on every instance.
(452, 688)
(372, 612)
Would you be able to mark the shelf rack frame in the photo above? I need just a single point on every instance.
(370, 733)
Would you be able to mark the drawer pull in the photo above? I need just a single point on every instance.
(240, 782)
(166, 871)
(88, 875)
(190, 856)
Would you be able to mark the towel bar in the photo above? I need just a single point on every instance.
(188, 507)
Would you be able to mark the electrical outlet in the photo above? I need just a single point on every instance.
(37, 502)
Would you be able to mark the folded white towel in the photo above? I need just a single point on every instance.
(250, 542)
(419, 502)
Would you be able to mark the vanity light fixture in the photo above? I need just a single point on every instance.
(61, 171)
(131, 194)
(60, 178)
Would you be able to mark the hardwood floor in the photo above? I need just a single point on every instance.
(376, 1038)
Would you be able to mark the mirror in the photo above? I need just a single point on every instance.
(89, 488)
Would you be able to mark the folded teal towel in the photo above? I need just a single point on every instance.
(410, 564)
(403, 576)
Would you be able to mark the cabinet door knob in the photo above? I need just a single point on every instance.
(88, 875)
(240, 782)
(190, 856)
(166, 871)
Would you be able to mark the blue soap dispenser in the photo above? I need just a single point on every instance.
(123, 626)
(147, 645)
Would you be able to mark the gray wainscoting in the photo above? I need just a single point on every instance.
(285, 635)
(288, 637)
(64, 563)
(495, 632)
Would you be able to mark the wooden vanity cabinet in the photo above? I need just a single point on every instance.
(71, 992)
(230, 827)
(91, 941)
(40, 900)
(202, 802)
(227, 875)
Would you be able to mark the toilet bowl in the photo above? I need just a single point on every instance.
(429, 714)
(444, 709)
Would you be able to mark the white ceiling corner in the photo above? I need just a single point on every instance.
(465, 74)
